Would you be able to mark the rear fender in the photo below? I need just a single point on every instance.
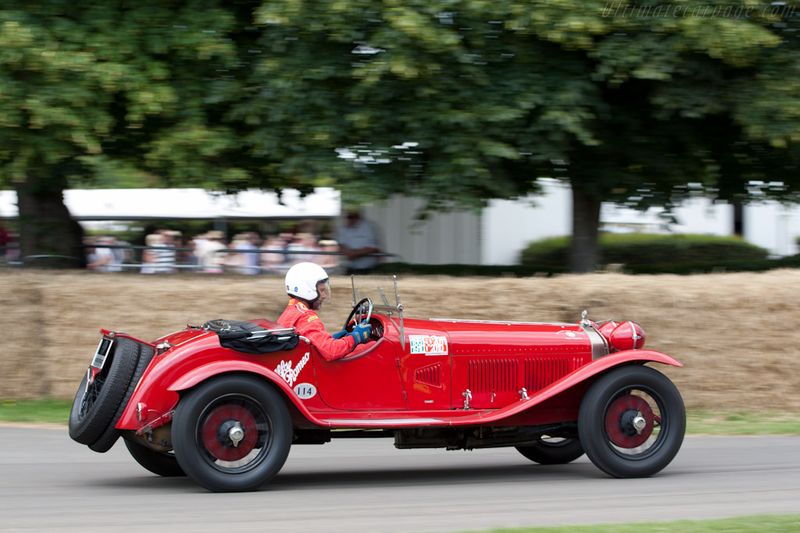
(220, 368)
(116, 334)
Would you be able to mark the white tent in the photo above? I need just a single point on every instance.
(143, 204)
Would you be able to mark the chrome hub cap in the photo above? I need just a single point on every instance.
(639, 423)
(236, 434)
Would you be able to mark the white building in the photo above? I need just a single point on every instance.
(497, 234)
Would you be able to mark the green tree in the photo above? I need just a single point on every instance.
(113, 94)
(463, 101)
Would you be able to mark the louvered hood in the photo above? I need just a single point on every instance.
(495, 361)
(509, 339)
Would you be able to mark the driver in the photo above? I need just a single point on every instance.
(308, 286)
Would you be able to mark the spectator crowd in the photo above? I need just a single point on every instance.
(168, 251)
(9, 247)
(355, 249)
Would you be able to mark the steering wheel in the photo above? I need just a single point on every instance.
(361, 312)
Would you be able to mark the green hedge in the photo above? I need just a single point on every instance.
(647, 253)
(637, 253)
(454, 270)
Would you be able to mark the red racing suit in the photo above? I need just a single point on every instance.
(306, 322)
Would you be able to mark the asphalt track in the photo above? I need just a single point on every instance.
(49, 483)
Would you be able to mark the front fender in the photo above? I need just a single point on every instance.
(219, 368)
(599, 366)
(581, 375)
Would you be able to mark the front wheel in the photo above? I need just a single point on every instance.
(552, 450)
(632, 421)
(232, 433)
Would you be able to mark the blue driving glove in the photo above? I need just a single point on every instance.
(360, 333)
(339, 334)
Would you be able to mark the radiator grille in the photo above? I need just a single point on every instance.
(493, 375)
(429, 375)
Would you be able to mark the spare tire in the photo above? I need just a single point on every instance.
(111, 433)
(94, 405)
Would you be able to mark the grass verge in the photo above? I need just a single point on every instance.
(742, 423)
(44, 411)
(744, 524)
(52, 411)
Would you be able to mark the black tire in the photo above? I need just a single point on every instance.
(202, 433)
(111, 433)
(608, 413)
(161, 464)
(552, 451)
(93, 408)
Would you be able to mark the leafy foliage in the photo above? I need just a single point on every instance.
(463, 101)
(95, 88)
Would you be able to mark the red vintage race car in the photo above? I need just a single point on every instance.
(223, 402)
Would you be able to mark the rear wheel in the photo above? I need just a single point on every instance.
(632, 421)
(96, 403)
(232, 433)
(162, 464)
(552, 450)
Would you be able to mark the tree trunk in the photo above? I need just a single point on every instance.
(738, 217)
(585, 230)
(48, 235)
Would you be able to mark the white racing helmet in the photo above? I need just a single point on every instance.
(302, 280)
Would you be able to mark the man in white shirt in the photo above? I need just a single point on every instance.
(207, 247)
(246, 243)
(358, 240)
(104, 259)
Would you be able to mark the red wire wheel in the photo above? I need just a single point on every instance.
(619, 421)
(620, 402)
(215, 428)
(232, 433)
